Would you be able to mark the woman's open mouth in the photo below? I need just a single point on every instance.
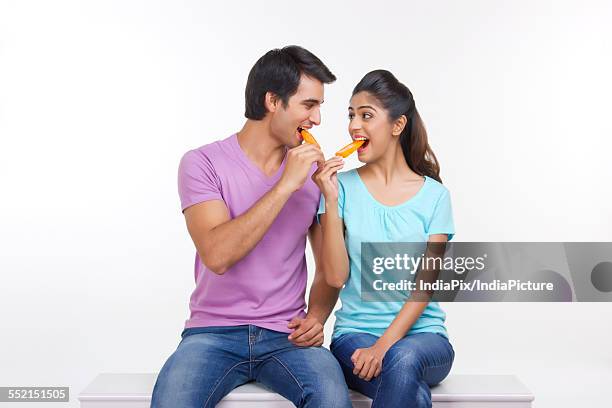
(365, 143)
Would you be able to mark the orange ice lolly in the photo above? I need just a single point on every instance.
(309, 138)
(350, 148)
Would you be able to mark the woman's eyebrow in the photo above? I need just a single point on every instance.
(363, 106)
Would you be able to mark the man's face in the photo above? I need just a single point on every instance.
(302, 111)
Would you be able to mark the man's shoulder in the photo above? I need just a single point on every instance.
(209, 152)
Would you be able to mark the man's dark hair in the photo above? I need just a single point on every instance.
(279, 71)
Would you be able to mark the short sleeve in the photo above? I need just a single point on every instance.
(321, 209)
(442, 218)
(197, 180)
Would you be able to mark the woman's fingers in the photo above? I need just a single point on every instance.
(331, 167)
(378, 371)
(364, 370)
(358, 362)
(372, 371)
(327, 173)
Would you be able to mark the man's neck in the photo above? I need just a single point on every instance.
(256, 141)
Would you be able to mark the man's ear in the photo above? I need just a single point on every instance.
(271, 101)
(399, 125)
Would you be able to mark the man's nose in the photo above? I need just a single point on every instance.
(315, 117)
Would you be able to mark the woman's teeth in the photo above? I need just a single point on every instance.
(365, 139)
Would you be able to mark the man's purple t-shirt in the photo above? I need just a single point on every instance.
(267, 287)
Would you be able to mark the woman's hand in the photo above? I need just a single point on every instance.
(326, 178)
(368, 361)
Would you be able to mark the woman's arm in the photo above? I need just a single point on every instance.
(368, 361)
(334, 258)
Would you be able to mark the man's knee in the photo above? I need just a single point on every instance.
(325, 385)
(188, 376)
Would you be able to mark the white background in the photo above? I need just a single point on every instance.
(99, 100)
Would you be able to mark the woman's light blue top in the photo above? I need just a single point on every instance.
(367, 220)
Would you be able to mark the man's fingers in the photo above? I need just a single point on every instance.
(313, 156)
(294, 322)
(306, 149)
(314, 342)
(307, 333)
(299, 331)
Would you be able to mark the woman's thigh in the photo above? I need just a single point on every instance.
(426, 356)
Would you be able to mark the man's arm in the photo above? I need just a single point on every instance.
(222, 241)
(323, 297)
(321, 301)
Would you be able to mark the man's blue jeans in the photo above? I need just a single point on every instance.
(408, 369)
(211, 361)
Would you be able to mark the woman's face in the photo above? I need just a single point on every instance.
(369, 120)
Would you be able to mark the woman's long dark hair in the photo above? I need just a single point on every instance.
(397, 100)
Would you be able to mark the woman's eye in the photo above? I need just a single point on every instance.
(367, 115)
(351, 116)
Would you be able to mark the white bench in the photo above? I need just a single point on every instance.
(456, 391)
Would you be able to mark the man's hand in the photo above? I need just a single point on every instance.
(308, 332)
(298, 164)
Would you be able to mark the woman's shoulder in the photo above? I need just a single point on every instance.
(436, 189)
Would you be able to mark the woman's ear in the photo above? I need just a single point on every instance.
(271, 101)
(399, 125)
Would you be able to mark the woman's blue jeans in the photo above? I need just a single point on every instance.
(409, 368)
(211, 361)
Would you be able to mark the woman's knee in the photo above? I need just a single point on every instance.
(403, 362)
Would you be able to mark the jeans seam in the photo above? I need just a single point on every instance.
(250, 352)
(291, 374)
(426, 369)
(221, 380)
(379, 385)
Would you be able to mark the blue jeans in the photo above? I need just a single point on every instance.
(408, 369)
(211, 361)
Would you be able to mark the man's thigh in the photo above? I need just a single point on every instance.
(307, 376)
(205, 367)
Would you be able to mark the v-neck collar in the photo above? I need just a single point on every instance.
(269, 180)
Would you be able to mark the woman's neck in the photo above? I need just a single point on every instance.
(390, 169)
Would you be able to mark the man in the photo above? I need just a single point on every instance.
(249, 203)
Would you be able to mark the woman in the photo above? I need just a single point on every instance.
(390, 351)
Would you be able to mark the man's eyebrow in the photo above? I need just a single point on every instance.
(363, 106)
(312, 100)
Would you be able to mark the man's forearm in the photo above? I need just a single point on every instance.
(322, 299)
(233, 240)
